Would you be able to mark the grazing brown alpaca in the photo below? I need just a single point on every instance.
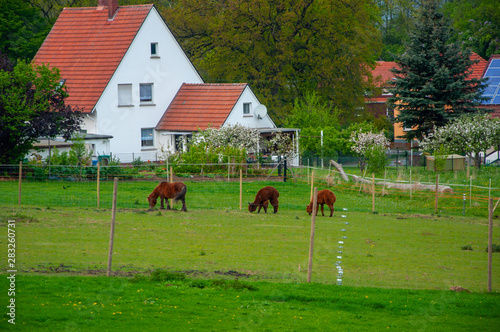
(325, 196)
(262, 199)
(176, 191)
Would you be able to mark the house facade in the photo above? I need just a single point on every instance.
(482, 69)
(124, 68)
(383, 75)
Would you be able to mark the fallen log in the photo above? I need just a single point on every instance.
(389, 185)
(361, 180)
(340, 169)
(415, 187)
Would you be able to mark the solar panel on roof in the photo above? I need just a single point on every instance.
(492, 72)
(495, 63)
(492, 90)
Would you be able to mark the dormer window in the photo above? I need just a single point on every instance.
(154, 50)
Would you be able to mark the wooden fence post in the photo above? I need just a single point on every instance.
(436, 196)
(98, 184)
(490, 241)
(470, 191)
(410, 185)
(20, 181)
(241, 186)
(312, 184)
(373, 192)
(112, 231)
(171, 174)
(311, 242)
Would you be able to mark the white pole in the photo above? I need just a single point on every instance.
(322, 149)
(411, 155)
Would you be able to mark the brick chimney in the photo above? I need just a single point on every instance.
(112, 7)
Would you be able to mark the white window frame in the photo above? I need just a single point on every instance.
(144, 101)
(125, 95)
(247, 109)
(144, 141)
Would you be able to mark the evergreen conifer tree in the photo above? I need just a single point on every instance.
(432, 84)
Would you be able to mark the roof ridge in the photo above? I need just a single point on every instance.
(95, 7)
(215, 83)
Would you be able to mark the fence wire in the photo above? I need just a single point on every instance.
(217, 238)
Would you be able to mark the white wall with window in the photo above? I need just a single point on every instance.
(147, 138)
(154, 50)
(244, 112)
(144, 84)
(124, 94)
(247, 109)
(146, 93)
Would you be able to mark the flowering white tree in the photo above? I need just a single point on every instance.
(371, 147)
(469, 134)
(282, 145)
(236, 136)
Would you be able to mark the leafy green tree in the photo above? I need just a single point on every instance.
(79, 154)
(371, 148)
(397, 21)
(313, 115)
(432, 85)
(31, 106)
(312, 111)
(345, 141)
(476, 24)
(22, 29)
(469, 134)
(282, 48)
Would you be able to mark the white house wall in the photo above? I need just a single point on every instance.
(89, 123)
(251, 121)
(166, 72)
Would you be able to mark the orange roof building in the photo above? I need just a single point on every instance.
(382, 75)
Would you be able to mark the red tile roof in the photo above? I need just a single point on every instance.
(198, 106)
(477, 70)
(87, 48)
(382, 72)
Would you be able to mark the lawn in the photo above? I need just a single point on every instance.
(58, 303)
(404, 253)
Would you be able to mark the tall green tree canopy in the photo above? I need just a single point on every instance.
(282, 48)
(31, 106)
(313, 116)
(432, 85)
(476, 24)
(22, 29)
(397, 21)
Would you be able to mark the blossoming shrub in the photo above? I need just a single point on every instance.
(371, 147)
(469, 135)
(211, 147)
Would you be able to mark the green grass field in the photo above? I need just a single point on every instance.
(403, 253)
(56, 303)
